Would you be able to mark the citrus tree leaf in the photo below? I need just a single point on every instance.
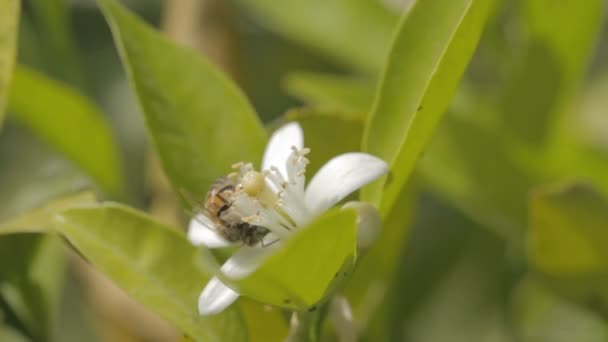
(32, 274)
(70, 123)
(153, 263)
(433, 46)
(368, 290)
(41, 219)
(330, 25)
(351, 97)
(299, 273)
(264, 323)
(200, 122)
(51, 19)
(9, 23)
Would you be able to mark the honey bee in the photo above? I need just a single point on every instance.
(230, 225)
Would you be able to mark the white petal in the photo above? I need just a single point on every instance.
(279, 146)
(201, 231)
(245, 261)
(215, 297)
(341, 176)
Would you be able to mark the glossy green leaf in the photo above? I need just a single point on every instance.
(70, 123)
(542, 316)
(299, 273)
(433, 46)
(153, 263)
(41, 219)
(31, 276)
(9, 20)
(201, 123)
(348, 96)
(560, 38)
(327, 134)
(330, 25)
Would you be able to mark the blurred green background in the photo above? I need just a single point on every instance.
(529, 122)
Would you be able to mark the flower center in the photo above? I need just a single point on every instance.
(272, 199)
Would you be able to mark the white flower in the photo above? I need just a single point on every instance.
(280, 202)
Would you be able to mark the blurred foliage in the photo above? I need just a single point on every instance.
(9, 20)
(415, 92)
(491, 114)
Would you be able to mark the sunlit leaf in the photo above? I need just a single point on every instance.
(348, 96)
(41, 219)
(432, 48)
(153, 263)
(70, 123)
(201, 123)
(330, 25)
(9, 19)
(298, 275)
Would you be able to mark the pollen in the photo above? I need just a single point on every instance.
(253, 183)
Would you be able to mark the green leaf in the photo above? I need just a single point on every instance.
(9, 20)
(10, 334)
(264, 323)
(55, 33)
(32, 271)
(542, 316)
(70, 123)
(201, 123)
(567, 241)
(461, 296)
(299, 273)
(153, 263)
(568, 232)
(432, 48)
(467, 166)
(351, 97)
(368, 288)
(41, 219)
(544, 81)
(330, 26)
